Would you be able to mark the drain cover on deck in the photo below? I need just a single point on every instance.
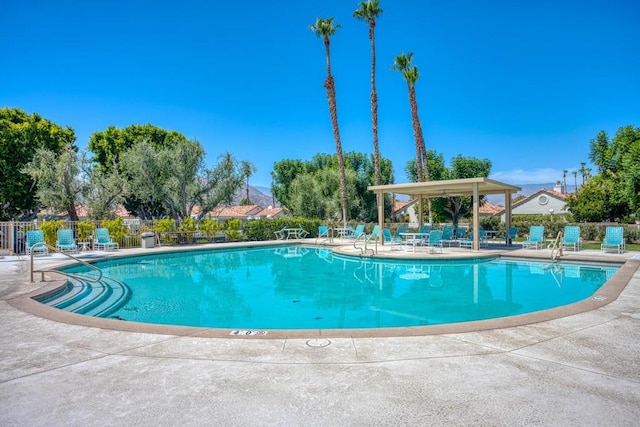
(318, 342)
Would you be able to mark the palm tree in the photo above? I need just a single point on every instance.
(402, 63)
(368, 12)
(325, 29)
(575, 181)
(247, 169)
(583, 171)
(564, 179)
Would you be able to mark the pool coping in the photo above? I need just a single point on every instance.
(608, 293)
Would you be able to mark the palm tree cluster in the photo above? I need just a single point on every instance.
(368, 11)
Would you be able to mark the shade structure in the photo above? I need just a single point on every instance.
(474, 187)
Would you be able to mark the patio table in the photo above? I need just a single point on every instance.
(414, 238)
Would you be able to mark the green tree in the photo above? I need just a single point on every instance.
(21, 134)
(307, 200)
(105, 189)
(464, 167)
(146, 170)
(107, 146)
(590, 203)
(284, 172)
(362, 204)
(172, 180)
(220, 184)
(618, 165)
(368, 12)
(56, 177)
(325, 29)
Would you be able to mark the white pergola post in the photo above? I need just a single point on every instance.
(507, 216)
(476, 217)
(380, 215)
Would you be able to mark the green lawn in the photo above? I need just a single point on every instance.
(596, 245)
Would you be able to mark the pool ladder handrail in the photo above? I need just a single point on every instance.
(363, 249)
(328, 239)
(556, 249)
(75, 276)
(375, 241)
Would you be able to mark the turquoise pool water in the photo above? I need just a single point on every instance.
(303, 287)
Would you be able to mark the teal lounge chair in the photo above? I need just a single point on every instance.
(571, 238)
(395, 242)
(447, 235)
(376, 231)
(536, 237)
(424, 229)
(511, 235)
(323, 233)
(103, 240)
(66, 242)
(435, 240)
(357, 232)
(401, 229)
(613, 238)
(460, 232)
(33, 237)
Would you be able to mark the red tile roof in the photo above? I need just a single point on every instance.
(235, 211)
(490, 209)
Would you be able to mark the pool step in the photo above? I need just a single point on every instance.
(99, 299)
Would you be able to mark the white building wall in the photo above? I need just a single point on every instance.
(540, 204)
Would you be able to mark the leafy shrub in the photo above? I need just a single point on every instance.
(210, 226)
(85, 228)
(116, 228)
(232, 227)
(165, 224)
(50, 231)
(589, 232)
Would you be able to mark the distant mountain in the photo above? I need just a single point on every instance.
(256, 196)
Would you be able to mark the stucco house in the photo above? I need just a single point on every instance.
(541, 202)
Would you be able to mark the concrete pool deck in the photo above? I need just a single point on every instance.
(582, 369)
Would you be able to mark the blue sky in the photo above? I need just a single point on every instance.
(524, 84)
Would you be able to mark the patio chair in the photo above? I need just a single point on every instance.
(357, 232)
(401, 229)
(103, 240)
(536, 237)
(66, 242)
(435, 240)
(460, 232)
(280, 233)
(323, 233)
(468, 243)
(571, 238)
(613, 238)
(33, 237)
(424, 229)
(395, 242)
(447, 235)
(511, 235)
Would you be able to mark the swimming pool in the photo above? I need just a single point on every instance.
(305, 287)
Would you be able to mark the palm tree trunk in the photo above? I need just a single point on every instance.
(421, 151)
(374, 104)
(333, 111)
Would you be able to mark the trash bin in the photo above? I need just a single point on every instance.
(148, 240)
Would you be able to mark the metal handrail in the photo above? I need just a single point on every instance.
(74, 276)
(356, 241)
(555, 248)
(375, 240)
